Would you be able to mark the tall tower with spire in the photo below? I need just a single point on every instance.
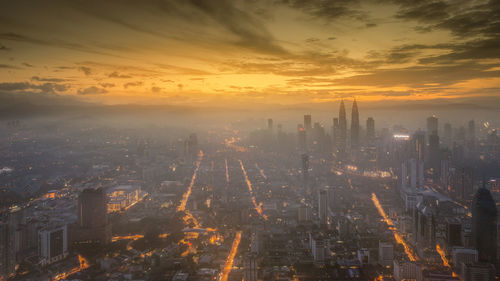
(342, 126)
(354, 125)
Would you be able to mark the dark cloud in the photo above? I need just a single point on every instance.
(30, 87)
(53, 42)
(424, 11)
(86, 70)
(420, 76)
(155, 89)
(92, 91)
(115, 74)
(328, 10)
(3, 48)
(56, 80)
(27, 64)
(8, 66)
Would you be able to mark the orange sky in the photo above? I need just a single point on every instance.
(250, 52)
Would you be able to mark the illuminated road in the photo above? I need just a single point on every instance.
(261, 171)
(256, 206)
(185, 196)
(83, 264)
(230, 259)
(408, 250)
(227, 173)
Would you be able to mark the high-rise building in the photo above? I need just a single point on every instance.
(463, 255)
(270, 124)
(354, 125)
(432, 125)
(477, 272)
(370, 128)
(447, 136)
(250, 268)
(323, 207)
(305, 167)
(385, 253)
(342, 126)
(301, 138)
(418, 145)
(53, 244)
(484, 226)
(434, 156)
(92, 225)
(307, 122)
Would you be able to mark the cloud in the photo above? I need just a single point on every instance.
(86, 70)
(155, 89)
(132, 84)
(8, 66)
(30, 87)
(424, 11)
(107, 85)
(3, 48)
(115, 74)
(56, 80)
(93, 90)
(27, 64)
(329, 10)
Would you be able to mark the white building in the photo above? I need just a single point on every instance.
(52, 244)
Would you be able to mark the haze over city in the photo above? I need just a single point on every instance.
(249, 140)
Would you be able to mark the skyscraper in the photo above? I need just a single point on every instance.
(370, 128)
(342, 126)
(432, 125)
(323, 207)
(92, 223)
(270, 124)
(307, 122)
(484, 225)
(354, 125)
(447, 138)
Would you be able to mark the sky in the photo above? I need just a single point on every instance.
(251, 52)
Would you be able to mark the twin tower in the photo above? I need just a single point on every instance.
(340, 127)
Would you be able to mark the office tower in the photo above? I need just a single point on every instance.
(484, 226)
(354, 125)
(342, 126)
(305, 167)
(385, 254)
(418, 144)
(416, 174)
(370, 128)
(404, 175)
(471, 139)
(270, 124)
(323, 207)
(53, 244)
(432, 125)
(453, 232)
(250, 268)
(191, 149)
(319, 248)
(447, 136)
(335, 131)
(463, 182)
(301, 138)
(92, 226)
(433, 158)
(307, 122)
